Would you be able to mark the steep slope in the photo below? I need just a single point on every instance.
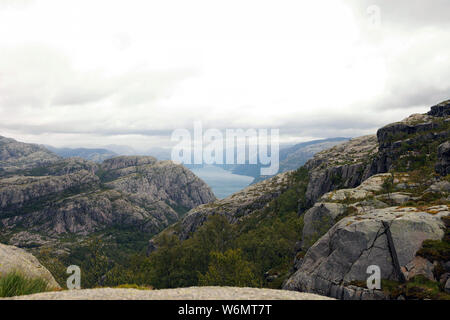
(344, 197)
(348, 230)
(65, 204)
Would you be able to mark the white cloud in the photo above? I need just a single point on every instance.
(98, 72)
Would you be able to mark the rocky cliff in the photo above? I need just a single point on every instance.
(53, 204)
(234, 207)
(16, 155)
(396, 220)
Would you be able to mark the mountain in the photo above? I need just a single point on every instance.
(96, 155)
(61, 205)
(379, 200)
(16, 155)
(291, 157)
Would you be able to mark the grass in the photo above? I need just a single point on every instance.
(15, 284)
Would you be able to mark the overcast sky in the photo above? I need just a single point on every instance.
(93, 73)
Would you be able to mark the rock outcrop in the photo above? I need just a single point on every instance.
(440, 110)
(443, 163)
(75, 196)
(16, 155)
(344, 253)
(343, 166)
(345, 230)
(13, 259)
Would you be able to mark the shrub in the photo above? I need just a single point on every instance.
(15, 284)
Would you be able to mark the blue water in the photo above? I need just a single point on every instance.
(222, 182)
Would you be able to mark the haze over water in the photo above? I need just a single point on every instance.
(222, 182)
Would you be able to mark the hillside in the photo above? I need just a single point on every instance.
(16, 155)
(71, 206)
(330, 217)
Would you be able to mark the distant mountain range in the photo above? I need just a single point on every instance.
(96, 155)
(291, 157)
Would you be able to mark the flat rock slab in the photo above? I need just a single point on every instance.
(192, 293)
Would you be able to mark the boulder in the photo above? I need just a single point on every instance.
(440, 186)
(343, 254)
(16, 259)
(447, 286)
(318, 220)
(443, 163)
(419, 266)
(440, 110)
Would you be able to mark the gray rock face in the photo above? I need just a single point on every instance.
(75, 196)
(13, 259)
(318, 220)
(343, 166)
(343, 254)
(443, 163)
(16, 155)
(440, 110)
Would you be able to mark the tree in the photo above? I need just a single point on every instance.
(229, 269)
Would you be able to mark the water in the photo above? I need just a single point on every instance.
(222, 182)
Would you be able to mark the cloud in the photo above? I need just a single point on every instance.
(148, 68)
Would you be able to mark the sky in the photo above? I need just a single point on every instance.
(96, 73)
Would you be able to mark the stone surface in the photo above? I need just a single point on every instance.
(318, 220)
(440, 186)
(440, 110)
(343, 166)
(75, 196)
(419, 266)
(343, 254)
(15, 259)
(192, 293)
(443, 163)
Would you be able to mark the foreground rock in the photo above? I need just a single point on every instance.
(13, 259)
(342, 256)
(192, 293)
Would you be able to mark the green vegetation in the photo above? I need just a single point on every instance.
(229, 269)
(217, 253)
(15, 284)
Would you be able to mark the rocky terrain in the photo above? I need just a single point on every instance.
(355, 194)
(57, 202)
(234, 207)
(398, 221)
(16, 155)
